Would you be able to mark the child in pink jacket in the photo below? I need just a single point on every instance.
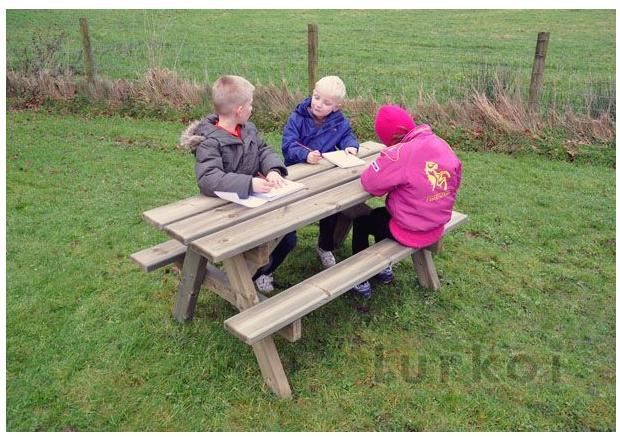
(420, 174)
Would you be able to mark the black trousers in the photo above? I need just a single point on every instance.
(375, 224)
(278, 255)
(327, 227)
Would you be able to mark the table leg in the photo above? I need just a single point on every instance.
(343, 226)
(265, 350)
(241, 281)
(345, 221)
(193, 275)
(425, 269)
(271, 367)
(258, 257)
(437, 247)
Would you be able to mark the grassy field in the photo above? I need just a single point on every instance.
(379, 53)
(520, 337)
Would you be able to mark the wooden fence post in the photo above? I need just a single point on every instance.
(313, 55)
(536, 82)
(89, 63)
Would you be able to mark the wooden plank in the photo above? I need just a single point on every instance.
(259, 255)
(241, 281)
(166, 214)
(161, 216)
(264, 350)
(269, 316)
(217, 282)
(251, 233)
(360, 267)
(193, 275)
(291, 332)
(227, 215)
(263, 319)
(160, 255)
(271, 367)
(457, 219)
(345, 221)
(437, 247)
(425, 269)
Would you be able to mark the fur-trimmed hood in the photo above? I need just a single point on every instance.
(190, 139)
(199, 130)
(225, 162)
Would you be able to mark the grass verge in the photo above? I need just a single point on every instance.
(520, 337)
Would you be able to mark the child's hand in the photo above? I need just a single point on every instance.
(351, 150)
(275, 178)
(314, 157)
(260, 185)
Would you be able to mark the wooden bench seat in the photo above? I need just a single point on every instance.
(265, 318)
(160, 255)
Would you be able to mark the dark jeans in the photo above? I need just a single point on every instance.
(327, 227)
(375, 224)
(288, 243)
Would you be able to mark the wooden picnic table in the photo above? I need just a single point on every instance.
(208, 230)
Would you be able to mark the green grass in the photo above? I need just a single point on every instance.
(520, 337)
(380, 53)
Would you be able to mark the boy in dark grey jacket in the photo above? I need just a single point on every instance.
(231, 156)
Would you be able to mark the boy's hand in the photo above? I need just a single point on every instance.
(314, 157)
(275, 178)
(260, 185)
(351, 150)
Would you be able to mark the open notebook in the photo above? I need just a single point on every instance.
(343, 159)
(258, 199)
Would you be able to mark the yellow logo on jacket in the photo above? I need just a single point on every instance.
(436, 177)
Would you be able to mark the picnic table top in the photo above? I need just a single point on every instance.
(204, 220)
(163, 216)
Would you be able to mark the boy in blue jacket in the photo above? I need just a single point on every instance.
(317, 126)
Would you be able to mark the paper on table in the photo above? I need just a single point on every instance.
(258, 199)
(289, 187)
(343, 159)
(250, 202)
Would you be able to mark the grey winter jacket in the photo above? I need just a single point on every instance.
(225, 162)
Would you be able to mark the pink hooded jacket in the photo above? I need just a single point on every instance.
(421, 176)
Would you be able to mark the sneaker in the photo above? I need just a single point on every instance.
(386, 276)
(364, 289)
(327, 258)
(264, 283)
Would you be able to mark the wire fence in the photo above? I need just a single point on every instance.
(367, 65)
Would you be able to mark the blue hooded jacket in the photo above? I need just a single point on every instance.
(335, 132)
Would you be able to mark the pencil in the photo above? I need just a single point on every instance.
(307, 148)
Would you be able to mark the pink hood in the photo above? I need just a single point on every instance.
(421, 176)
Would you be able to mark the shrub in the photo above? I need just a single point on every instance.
(491, 117)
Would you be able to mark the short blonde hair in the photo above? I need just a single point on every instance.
(230, 92)
(332, 86)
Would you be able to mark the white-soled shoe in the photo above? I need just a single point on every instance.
(264, 283)
(386, 276)
(364, 289)
(327, 257)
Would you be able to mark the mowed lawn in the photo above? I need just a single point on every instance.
(520, 337)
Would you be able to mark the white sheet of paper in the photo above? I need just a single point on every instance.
(250, 202)
(343, 159)
(289, 187)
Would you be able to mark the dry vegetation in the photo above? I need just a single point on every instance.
(490, 118)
